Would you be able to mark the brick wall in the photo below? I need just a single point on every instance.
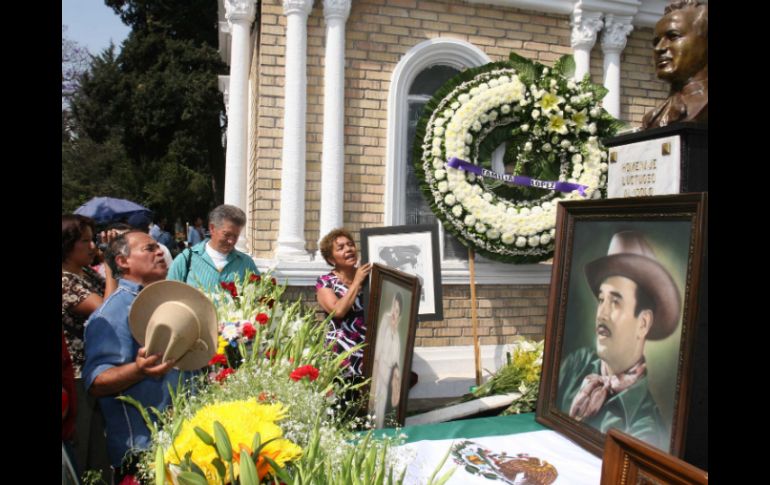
(503, 312)
(378, 34)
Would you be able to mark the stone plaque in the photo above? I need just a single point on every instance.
(650, 167)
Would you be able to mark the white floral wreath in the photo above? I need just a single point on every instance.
(553, 125)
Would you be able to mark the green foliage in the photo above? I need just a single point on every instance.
(521, 374)
(156, 111)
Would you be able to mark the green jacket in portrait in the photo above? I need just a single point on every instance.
(633, 410)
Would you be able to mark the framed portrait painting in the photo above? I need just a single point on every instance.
(391, 323)
(622, 318)
(414, 250)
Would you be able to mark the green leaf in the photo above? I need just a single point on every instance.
(160, 468)
(277, 470)
(190, 478)
(220, 466)
(248, 470)
(565, 66)
(204, 436)
(223, 446)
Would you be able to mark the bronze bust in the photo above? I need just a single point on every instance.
(681, 59)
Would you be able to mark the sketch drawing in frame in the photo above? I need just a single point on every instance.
(391, 324)
(414, 250)
(622, 318)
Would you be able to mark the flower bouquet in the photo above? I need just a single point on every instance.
(276, 410)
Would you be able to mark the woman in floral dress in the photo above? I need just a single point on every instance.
(82, 292)
(340, 291)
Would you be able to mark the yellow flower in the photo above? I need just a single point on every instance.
(222, 345)
(549, 101)
(557, 124)
(580, 118)
(242, 419)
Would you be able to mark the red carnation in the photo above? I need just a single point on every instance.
(262, 318)
(255, 277)
(229, 286)
(248, 330)
(218, 359)
(273, 281)
(223, 374)
(306, 370)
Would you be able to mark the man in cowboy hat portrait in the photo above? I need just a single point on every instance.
(137, 342)
(637, 301)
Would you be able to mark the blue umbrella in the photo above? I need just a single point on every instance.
(104, 210)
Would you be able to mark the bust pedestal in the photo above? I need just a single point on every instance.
(668, 160)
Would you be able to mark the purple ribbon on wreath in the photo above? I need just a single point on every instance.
(459, 164)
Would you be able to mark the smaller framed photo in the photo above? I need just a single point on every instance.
(414, 250)
(629, 461)
(391, 323)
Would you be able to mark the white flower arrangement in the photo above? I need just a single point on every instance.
(526, 105)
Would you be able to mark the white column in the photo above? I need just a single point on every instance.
(585, 26)
(616, 30)
(333, 156)
(291, 231)
(240, 15)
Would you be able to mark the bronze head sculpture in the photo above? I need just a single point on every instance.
(681, 59)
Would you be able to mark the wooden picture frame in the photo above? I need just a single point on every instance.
(629, 461)
(390, 343)
(593, 327)
(414, 250)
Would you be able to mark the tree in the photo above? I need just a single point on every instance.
(159, 101)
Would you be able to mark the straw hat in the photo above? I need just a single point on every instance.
(631, 256)
(176, 320)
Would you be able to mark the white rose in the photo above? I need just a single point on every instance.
(505, 109)
(521, 242)
(475, 91)
(571, 84)
(603, 167)
(438, 131)
(471, 177)
(504, 79)
(592, 128)
(484, 118)
(450, 199)
(493, 115)
(454, 105)
(487, 196)
(577, 158)
(457, 210)
(436, 151)
(507, 238)
(534, 241)
(528, 146)
(439, 121)
(594, 112)
(493, 234)
(464, 98)
(524, 211)
(476, 126)
(493, 83)
(469, 220)
(439, 174)
(565, 144)
(535, 114)
(546, 147)
(480, 228)
(545, 71)
(438, 163)
(443, 186)
(545, 239)
(448, 113)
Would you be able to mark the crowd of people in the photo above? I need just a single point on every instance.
(103, 273)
